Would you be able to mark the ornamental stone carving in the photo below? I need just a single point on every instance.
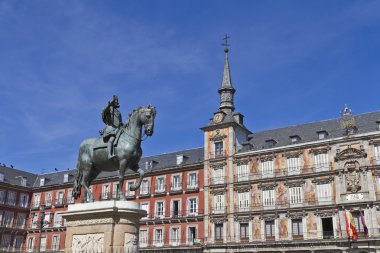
(352, 176)
(130, 243)
(89, 243)
(74, 223)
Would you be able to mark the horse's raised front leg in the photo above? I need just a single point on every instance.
(122, 168)
(135, 186)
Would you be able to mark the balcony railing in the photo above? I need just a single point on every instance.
(70, 200)
(35, 205)
(218, 209)
(192, 187)
(217, 154)
(181, 214)
(48, 203)
(59, 202)
(175, 188)
(144, 192)
(160, 190)
(282, 172)
(166, 242)
(218, 180)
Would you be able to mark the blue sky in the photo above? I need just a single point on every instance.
(292, 62)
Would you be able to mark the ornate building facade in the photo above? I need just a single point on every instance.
(282, 190)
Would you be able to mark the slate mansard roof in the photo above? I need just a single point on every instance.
(159, 162)
(13, 176)
(365, 123)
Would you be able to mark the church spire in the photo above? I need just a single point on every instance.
(226, 91)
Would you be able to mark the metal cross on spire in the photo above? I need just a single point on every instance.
(225, 42)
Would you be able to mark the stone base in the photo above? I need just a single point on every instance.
(106, 226)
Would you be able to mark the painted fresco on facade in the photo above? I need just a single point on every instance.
(256, 196)
(311, 226)
(309, 192)
(256, 228)
(282, 198)
(283, 228)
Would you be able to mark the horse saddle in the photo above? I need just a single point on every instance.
(104, 144)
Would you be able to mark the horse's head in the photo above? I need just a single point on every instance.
(147, 119)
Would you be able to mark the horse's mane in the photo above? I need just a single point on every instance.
(134, 111)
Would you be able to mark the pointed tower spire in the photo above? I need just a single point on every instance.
(226, 91)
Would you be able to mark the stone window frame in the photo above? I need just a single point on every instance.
(170, 235)
(59, 241)
(180, 180)
(155, 243)
(188, 205)
(187, 233)
(163, 201)
(171, 205)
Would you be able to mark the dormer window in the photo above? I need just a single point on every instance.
(322, 135)
(66, 178)
(1, 177)
(42, 181)
(23, 181)
(270, 143)
(378, 124)
(350, 130)
(294, 139)
(149, 164)
(179, 159)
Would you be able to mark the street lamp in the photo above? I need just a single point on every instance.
(42, 223)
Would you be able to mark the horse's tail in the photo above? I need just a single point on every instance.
(78, 177)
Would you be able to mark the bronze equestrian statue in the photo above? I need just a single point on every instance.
(124, 152)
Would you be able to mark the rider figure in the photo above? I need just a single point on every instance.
(112, 118)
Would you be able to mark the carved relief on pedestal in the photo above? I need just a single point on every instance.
(352, 176)
(130, 243)
(88, 243)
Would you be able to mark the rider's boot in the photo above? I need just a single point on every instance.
(110, 148)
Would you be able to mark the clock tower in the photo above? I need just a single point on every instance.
(224, 135)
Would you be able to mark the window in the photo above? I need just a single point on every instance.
(244, 231)
(243, 172)
(57, 220)
(55, 243)
(267, 168)
(293, 165)
(1, 217)
(87, 195)
(377, 154)
(176, 182)
(218, 148)
(218, 176)
(294, 139)
(145, 206)
(18, 243)
(144, 189)
(175, 208)
(270, 143)
(5, 241)
(269, 230)
(66, 178)
(193, 180)
(42, 181)
(218, 232)
(20, 220)
(128, 190)
(160, 184)
(192, 236)
(358, 222)
(219, 203)
(174, 236)
(243, 201)
(324, 193)
(48, 199)
(59, 198)
(149, 164)
(43, 243)
(143, 238)
(158, 237)
(23, 181)
(179, 159)
(11, 198)
(8, 219)
(160, 209)
(322, 135)
(34, 220)
(297, 228)
(36, 200)
(2, 197)
(295, 194)
(268, 198)
(321, 162)
(48, 217)
(1, 177)
(70, 198)
(23, 202)
(30, 244)
(106, 191)
(193, 206)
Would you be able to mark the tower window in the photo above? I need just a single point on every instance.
(218, 148)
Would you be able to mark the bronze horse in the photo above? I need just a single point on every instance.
(93, 154)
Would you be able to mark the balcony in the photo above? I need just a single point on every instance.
(35, 205)
(144, 192)
(24, 204)
(59, 202)
(166, 242)
(218, 154)
(217, 181)
(130, 194)
(175, 188)
(105, 196)
(160, 190)
(70, 200)
(218, 209)
(48, 203)
(192, 187)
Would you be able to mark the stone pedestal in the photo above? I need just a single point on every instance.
(106, 226)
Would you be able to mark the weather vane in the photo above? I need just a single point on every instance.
(225, 41)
